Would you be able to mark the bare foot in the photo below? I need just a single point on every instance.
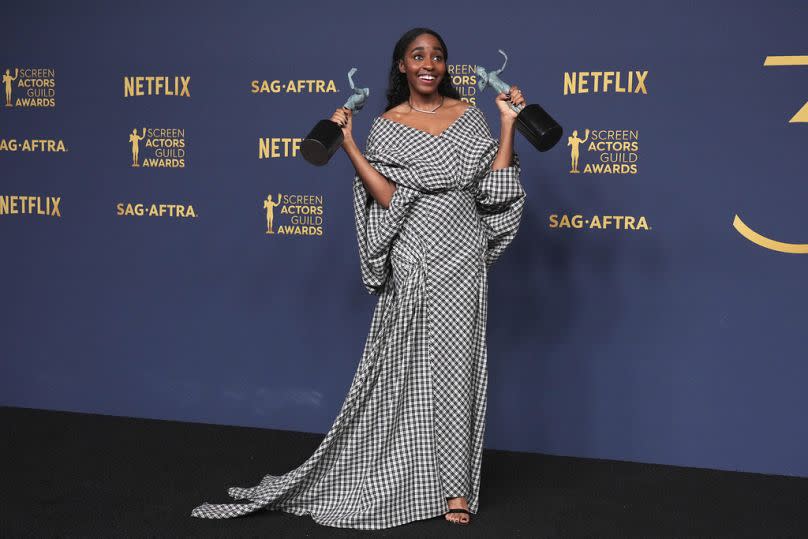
(457, 503)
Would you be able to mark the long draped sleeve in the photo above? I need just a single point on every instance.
(500, 202)
(499, 195)
(376, 226)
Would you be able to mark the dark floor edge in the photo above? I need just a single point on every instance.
(503, 452)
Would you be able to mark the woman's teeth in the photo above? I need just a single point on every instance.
(428, 78)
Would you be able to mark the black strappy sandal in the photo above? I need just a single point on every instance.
(459, 510)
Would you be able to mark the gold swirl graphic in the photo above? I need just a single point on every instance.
(768, 243)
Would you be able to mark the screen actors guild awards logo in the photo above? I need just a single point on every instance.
(270, 206)
(464, 79)
(294, 215)
(163, 147)
(36, 87)
(7, 80)
(615, 150)
(576, 142)
(135, 140)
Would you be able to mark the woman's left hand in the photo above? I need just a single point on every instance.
(506, 112)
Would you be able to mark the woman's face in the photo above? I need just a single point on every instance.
(423, 64)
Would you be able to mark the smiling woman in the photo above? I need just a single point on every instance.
(424, 86)
(436, 201)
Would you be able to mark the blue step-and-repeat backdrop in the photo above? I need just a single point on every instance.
(652, 307)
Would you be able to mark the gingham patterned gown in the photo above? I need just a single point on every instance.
(410, 432)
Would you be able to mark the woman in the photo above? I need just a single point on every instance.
(436, 201)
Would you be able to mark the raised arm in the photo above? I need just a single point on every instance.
(507, 122)
(377, 185)
(504, 156)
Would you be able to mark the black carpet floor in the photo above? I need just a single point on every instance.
(68, 474)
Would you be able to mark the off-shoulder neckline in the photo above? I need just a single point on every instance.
(448, 128)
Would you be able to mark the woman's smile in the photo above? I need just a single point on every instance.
(424, 64)
(427, 78)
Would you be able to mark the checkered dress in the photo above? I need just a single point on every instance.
(410, 432)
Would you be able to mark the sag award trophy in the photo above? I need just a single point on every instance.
(326, 137)
(533, 122)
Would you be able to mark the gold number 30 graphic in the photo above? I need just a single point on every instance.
(800, 117)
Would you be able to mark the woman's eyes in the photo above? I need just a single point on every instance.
(437, 57)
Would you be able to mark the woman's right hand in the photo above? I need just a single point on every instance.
(343, 118)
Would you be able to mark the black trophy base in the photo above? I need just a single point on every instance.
(538, 127)
(322, 142)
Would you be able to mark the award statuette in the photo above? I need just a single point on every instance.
(533, 122)
(326, 137)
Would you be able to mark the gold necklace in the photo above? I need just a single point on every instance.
(427, 111)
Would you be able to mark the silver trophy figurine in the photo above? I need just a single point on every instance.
(533, 122)
(326, 137)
